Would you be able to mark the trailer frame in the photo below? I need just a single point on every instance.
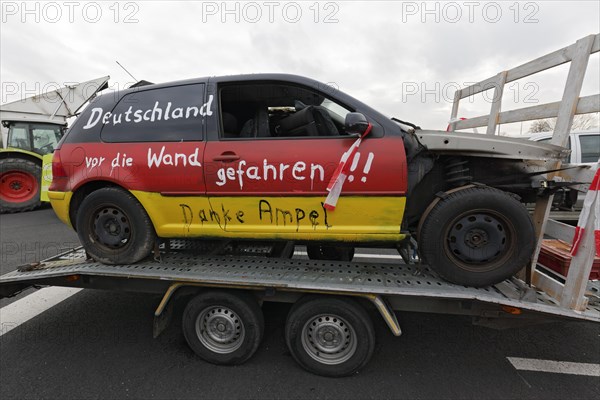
(388, 286)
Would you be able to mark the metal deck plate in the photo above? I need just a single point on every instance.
(189, 265)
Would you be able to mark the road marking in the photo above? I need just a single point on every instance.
(555, 367)
(360, 255)
(22, 310)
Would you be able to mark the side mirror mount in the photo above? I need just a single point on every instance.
(355, 124)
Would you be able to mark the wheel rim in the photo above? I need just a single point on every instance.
(479, 240)
(18, 186)
(111, 227)
(220, 330)
(329, 339)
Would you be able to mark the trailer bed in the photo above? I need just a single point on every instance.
(413, 287)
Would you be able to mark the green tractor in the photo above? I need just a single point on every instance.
(31, 130)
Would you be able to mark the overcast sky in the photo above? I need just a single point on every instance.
(403, 58)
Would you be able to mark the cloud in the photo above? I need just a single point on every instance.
(372, 50)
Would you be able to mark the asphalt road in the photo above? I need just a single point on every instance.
(98, 344)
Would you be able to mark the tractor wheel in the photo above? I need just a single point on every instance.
(19, 185)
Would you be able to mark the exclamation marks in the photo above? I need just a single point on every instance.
(366, 169)
(353, 166)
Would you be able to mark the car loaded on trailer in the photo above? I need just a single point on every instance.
(280, 158)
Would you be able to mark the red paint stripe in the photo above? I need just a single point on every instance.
(349, 193)
(596, 182)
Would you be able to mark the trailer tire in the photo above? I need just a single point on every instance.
(477, 236)
(19, 185)
(329, 253)
(330, 336)
(114, 228)
(223, 327)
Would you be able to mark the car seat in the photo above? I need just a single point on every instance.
(257, 126)
(308, 121)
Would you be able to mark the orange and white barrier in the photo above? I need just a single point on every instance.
(341, 173)
(590, 204)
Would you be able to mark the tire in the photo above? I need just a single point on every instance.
(223, 327)
(20, 185)
(477, 237)
(114, 228)
(329, 253)
(343, 319)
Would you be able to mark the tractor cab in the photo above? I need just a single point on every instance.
(40, 138)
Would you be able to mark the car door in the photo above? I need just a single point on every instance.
(266, 186)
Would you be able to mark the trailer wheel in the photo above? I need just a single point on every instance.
(114, 228)
(330, 336)
(329, 253)
(477, 237)
(223, 327)
(19, 185)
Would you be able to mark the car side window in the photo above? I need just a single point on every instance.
(273, 110)
(590, 148)
(171, 114)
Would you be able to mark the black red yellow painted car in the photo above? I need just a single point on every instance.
(273, 157)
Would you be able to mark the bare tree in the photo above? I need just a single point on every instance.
(581, 122)
(541, 125)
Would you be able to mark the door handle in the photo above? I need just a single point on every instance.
(228, 156)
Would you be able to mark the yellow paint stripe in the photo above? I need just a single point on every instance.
(356, 218)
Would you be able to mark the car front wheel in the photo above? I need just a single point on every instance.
(477, 236)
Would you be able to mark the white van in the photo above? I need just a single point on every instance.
(585, 149)
(584, 145)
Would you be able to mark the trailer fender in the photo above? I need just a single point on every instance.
(386, 312)
(164, 311)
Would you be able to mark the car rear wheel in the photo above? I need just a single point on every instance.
(114, 228)
(19, 185)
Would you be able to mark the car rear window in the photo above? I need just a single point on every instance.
(171, 114)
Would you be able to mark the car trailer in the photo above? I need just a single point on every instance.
(328, 330)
